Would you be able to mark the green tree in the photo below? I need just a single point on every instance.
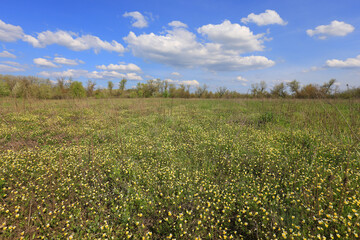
(77, 90)
(90, 88)
(110, 86)
(309, 91)
(279, 90)
(259, 89)
(326, 88)
(294, 87)
(122, 84)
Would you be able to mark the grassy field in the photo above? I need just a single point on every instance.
(184, 169)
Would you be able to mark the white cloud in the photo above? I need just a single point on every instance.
(7, 68)
(348, 63)
(16, 64)
(189, 82)
(139, 20)
(44, 63)
(233, 37)
(10, 33)
(177, 24)
(6, 54)
(312, 69)
(175, 74)
(73, 41)
(266, 18)
(133, 76)
(65, 61)
(76, 73)
(73, 73)
(335, 28)
(183, 82)
(241, 79)
(179, 47)
(120, 67)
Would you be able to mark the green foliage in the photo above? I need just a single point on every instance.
(294, 87)
(259, 89)
(33, 87)
(122, 84)
(4, 89)
(310, 91)
(264, 118)
(77, 90)
(110, 87)
(90, 88)
(279, 90)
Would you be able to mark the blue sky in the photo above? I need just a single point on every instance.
(219, 43)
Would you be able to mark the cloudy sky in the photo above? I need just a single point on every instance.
(219, 43)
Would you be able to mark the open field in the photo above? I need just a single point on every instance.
(177, 168)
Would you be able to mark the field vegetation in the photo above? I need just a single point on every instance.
(162, 168)
(65, 88)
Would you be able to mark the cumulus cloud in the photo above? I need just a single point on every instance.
(348, 63)
(66, 61)
(120, 67)
(266, 18)
(189, 82)
(183, 82)
(335, 28)
(76, 73)
(241, 79)
(10, 33)
(7, 68)
(138, 21)
(133, 76)
(6, 54)
(44, 63)
(175, 74)
(179, 47)
(232, 36)
(73, 41)
(177, 24)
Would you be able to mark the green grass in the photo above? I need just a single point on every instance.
(184, 169)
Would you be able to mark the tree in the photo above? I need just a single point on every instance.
(110, 86)
(63, 86)
(90, 88)
(258, 89)
(201, 90)
(309, 91)
(294, 87)
(77, 90)
(279, 90)
(122, 84)
(4, 89)
(165, 87)
(326, 87)
(221, 91)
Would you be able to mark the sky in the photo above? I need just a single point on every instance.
(228, 43)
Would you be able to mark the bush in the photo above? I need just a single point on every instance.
(4, 89)
(77, 90)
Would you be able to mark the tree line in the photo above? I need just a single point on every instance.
(62, 88)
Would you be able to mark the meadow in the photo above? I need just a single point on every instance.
(179, 169)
